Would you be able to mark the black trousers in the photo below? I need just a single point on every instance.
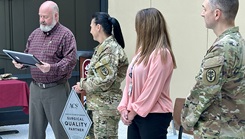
(153, 126)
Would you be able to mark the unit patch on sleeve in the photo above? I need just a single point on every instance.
(210, 75)
(104, 70)
(212, 70)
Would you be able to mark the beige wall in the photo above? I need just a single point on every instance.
(190, 39)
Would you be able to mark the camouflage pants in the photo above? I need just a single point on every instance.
(105, 124)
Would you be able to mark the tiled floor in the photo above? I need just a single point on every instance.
(23, 132)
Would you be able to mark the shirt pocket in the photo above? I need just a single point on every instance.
(212, 70)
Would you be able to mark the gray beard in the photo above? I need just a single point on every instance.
(46, 28)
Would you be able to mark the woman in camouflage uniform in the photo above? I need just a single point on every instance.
(107, 70)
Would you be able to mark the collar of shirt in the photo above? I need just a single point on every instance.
(52, 30)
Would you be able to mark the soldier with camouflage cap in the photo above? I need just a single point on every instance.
(215, 107)
(107, 70)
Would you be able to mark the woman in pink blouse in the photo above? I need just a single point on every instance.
(146, 106)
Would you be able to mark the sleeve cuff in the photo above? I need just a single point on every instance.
(82, 83)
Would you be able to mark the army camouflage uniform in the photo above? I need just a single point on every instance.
(107, 70)
(215, 108)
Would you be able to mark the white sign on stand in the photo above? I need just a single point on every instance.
(74, 118)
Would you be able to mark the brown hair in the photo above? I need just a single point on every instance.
(152, 34)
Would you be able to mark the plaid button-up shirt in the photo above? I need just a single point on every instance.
(58, 48)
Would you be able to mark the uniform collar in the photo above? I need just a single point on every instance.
(103, 45)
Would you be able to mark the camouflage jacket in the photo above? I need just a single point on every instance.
(107, 69)
(215, 107)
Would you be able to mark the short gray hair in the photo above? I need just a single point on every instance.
(228, 7)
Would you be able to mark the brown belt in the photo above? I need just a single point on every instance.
(48, 85)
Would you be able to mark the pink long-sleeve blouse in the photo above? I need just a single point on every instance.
(150, 86)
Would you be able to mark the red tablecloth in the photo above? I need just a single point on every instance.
(14, 93)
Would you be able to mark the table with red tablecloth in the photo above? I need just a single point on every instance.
(14, 93)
